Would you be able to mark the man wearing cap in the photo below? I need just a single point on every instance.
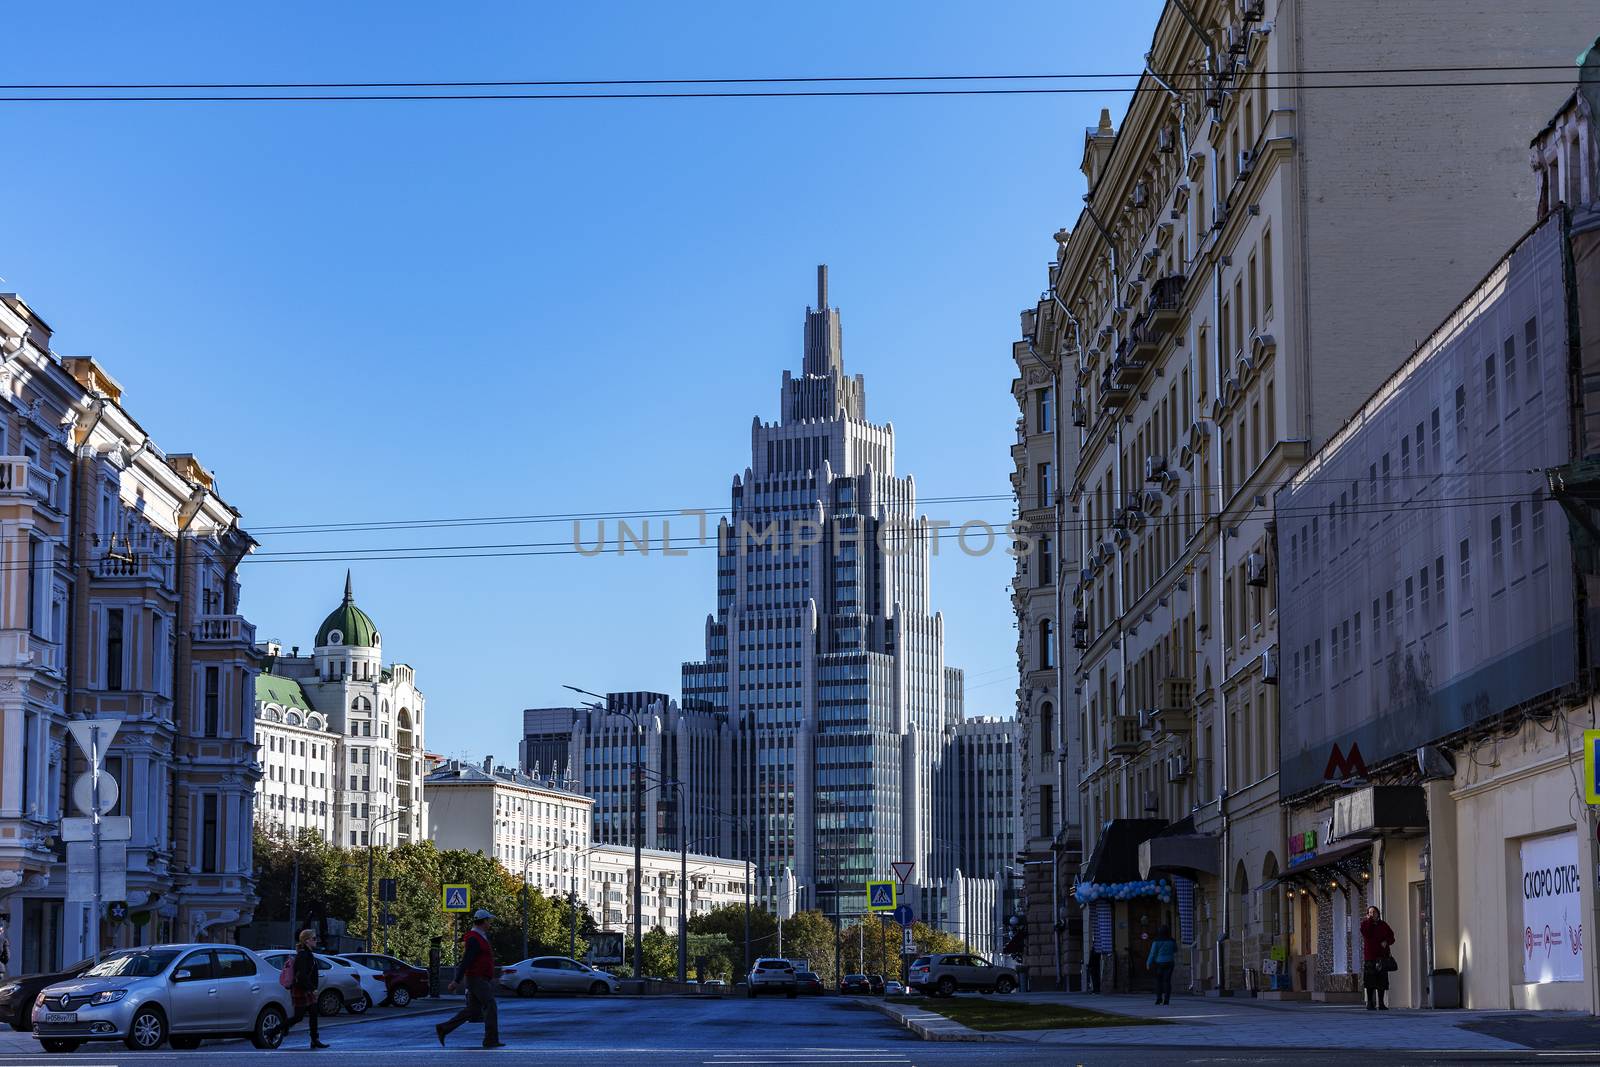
(477, 973)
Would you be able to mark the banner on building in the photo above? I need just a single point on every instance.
(1552, 910)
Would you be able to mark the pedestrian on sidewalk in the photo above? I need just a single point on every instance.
(1163, 959)
(477, 973)
(303, 989)
(1092, 972)
(1376, 959)
(5, 951)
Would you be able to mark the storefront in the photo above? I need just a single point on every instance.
(1123, 910)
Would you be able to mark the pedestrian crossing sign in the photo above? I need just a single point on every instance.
(881, 896)
(1591, 766)
(457, 897)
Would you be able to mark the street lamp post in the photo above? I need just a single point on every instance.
(371, 855)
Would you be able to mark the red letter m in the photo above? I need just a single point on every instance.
(1340, 766)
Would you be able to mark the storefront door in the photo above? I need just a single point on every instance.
(1144, 918)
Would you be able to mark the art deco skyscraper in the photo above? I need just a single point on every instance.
(823, 648)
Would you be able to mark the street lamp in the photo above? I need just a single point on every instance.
(638, 821)
(371, 836)
(683, 872)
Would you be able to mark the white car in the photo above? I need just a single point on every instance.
(372, 983)
(337, 986)
(772, 975)
(891, 988)
(555, 974)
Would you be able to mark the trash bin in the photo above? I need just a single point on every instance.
(1445, 983)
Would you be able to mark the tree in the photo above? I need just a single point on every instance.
(660, 954)
(324, 888)
(809, 935)
(728, 920)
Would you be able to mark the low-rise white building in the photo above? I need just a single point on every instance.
(537, 828)
(713, 882)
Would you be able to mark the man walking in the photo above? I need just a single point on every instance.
(477, 973)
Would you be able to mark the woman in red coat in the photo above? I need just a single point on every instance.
(1376, 937)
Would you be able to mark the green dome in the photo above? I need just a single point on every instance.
(347, 624)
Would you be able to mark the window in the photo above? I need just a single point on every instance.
(114, 625)
(1047, 644)
(1438, 584)
(1530, 354)
(1047, 727)
(1422, 449)
(1047, 561)
(1490, 409)
(1046, 810)
(1044, 485)
(1516, 539)
(1461, 422)
(1438, 453)
(1497, 564)
(1423, 598)
(208, 833)
(1410, 605)
(1510, 360)
(1536, 509)
(213, 705)
(1266, 274)
(1043, 401)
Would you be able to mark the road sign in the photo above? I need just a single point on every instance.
(112, 827)
(902, 870)
(117, 911)
(457, 897)
(386, 889)
(80, 871)
(909, 944)
(1591, 766)
(94, 735)
(83, 793)
(881, 896)
(903, 915)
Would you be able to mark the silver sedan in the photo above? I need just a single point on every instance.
(179, 993)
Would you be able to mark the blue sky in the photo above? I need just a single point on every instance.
(362, 312)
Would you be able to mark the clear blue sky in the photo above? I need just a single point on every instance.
(355, 312)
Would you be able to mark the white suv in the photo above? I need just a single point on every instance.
(771, 975)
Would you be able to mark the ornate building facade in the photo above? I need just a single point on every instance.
(125, 606)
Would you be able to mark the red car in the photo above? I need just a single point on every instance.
(401, 979)
(809, 984)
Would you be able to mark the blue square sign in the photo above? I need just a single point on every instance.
(881, 896)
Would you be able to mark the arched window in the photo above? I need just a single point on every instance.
(1047, 644)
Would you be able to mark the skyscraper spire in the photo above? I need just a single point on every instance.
(822, 287)
(824, 352)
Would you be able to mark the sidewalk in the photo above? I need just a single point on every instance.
(1244, 1022)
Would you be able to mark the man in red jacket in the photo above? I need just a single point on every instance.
(477, 972)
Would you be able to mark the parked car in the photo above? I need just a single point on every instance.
(337, 987)
(810, 984)
(855, 983)
(945, 973)
(401, 979)
(876, 982)
(373, 989)
(714, 983)
(892, 988)
(180, 994)
(17, 994)
(555, 974)
(770, 975)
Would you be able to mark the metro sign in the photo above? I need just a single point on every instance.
(1342, 766)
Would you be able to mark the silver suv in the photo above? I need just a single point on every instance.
(772, 975)
(165, 993)
(947, 972)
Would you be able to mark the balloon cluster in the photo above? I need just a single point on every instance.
(1149, 887)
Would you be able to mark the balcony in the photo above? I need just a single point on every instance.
(1166, 300)
(224, 630)
(136, 567)
(1175, 713)
(21, 477)
(1114, 390)
(21, 648)
(1130, 364)
(1124, 735)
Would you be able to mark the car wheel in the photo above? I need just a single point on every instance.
(947, 987)
(1006, 985)
(268, 1033)
(599, 989)
(526, 988)
(147, 1032)
(750, 991)
(184, 1042)
(59, 1044)
(329, 1001)
(399, 996)
(359, 1007)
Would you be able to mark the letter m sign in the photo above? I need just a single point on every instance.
(1341, 766)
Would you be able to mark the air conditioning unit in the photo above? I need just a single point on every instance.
(1121, 536)
(1238, 40)
(1147, 719)
(1166, 141)
(1152, 501)
(1108, 552)
(1252, 10)
(1169, 483)
(1135, 519)
(1085, 575)
(1177, 768)
(1255, 569)
(1152, 801)
(1246, 164)
(1155, 468)
(1141, 194)
(1080, 416)
(1269, 666)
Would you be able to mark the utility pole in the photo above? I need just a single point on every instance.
(572, 941)
(683, 889)
(747, 911)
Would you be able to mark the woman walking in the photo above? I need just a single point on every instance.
(304, 988)
(1161, 961)
(1376, 961)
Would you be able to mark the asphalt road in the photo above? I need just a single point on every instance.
(669, 1032)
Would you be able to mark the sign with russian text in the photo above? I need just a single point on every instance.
(1552, 910)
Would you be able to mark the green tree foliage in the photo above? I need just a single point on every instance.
(809, 935)
(660, 954)
(728, 920)
(711, 956)
(875, 945)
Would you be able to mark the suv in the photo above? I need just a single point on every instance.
(944, 974)
(165, 993)
(773, 976)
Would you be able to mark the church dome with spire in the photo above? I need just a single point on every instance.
(347, 624)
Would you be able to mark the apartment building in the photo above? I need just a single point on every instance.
(126, 606)
(713, 882)
(298, 750)
(1250, 239)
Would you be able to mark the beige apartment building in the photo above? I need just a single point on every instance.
(120, 600)
(1259, 244)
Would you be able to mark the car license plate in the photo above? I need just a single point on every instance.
(61, 1017)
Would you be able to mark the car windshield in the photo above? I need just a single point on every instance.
(133, 964)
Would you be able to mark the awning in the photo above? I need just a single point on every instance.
(1179, 849)
(1320, 861)
(1115, 857)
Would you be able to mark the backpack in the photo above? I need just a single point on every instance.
(286, 976)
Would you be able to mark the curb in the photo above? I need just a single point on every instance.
(931, 1026)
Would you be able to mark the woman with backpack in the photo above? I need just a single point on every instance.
(300, 978)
